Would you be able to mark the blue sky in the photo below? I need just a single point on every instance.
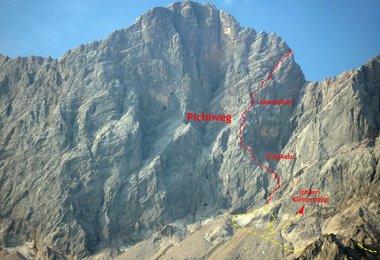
(327, 36)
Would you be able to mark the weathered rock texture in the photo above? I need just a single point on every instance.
(96, 151)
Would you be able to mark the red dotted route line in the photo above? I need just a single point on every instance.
(251, 95)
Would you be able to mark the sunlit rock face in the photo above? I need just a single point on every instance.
(96, 150)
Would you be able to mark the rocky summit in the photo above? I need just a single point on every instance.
(121, 148)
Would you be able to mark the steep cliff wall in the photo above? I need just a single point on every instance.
(96, 150)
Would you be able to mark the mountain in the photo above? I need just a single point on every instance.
(100, 155)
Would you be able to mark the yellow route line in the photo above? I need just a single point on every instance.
(268, 227)
(287, 223)
(366, 249)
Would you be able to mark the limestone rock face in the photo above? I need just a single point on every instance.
(96, 150)
(334, 247)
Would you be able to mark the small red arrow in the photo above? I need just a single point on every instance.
(301, 210)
